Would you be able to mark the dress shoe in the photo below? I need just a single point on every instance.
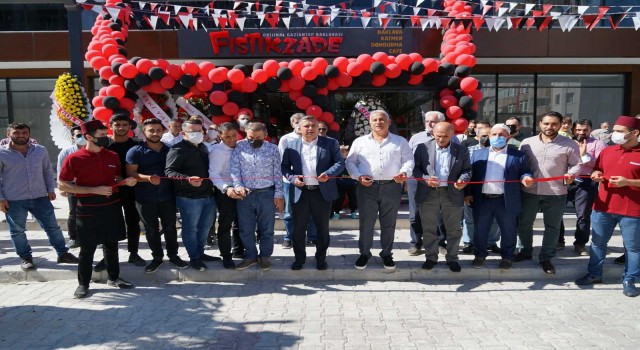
(246, 263)
(560, 246)
(205, 257)
(228, 264)
(429, 265)
(505, 264)
(581, 250)
(27, 264)
(321, 265)
(621, 260)
(548, 267)
(68, 258)
(265, 264)
(587, 280)
(297, 265)
(178, 262)
(629, 289)
(135, 259)
(361, 263)
(478, 262)
(81, 292)
(494, 249)
(467, 248)
(153, 266)
(120, 283)
(388, 262)
(100, 266)
(414, 251)
(286, 244)
(197, 265)
(454, 266)
(522, 257)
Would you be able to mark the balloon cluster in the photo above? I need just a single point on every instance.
(71, 99)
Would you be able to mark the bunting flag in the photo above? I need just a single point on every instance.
(286, 21)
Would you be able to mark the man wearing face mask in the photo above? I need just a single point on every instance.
(583, 190)
(78, 142)
(617, 170)
(244, 117)
(497, 200)
(93, 176)
(257, 179)
(472, 141)
(515, 131)
(189, 160)
(471, 131)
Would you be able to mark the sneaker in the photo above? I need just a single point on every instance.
(120, 283)
(388, 263)
(205, 257)
(361, 263)
(505, 264)
(335, 216)
(265, 264)
(621, 260)
(246, 263)
(72, 244)
(100, 266)
(494, 249)
(548, 267)
(587, 280)
(478, 262)
(68, 258)
(197, 265)
(81, 292)
(522, 257)
(467, 248)
(178, 262)
(429, 265)
(135, 259)
(355, 215)
(27, 264)
(454, 266)
(228, 264)
(560, 246)
(581, 250)
(629, 289)
(414, 251)
(286, 244)
(153, 266)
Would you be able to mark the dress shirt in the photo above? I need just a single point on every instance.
(556, 158)
(496, 164)
(443, 158)
(381, 161)
(257, 168)
(282, 144)
(310, 161)
(170, 140)
(220, 165)
(594, 147)
(27, 177)
(64, 154)
(473, 149)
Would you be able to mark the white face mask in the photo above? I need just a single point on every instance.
(243, 122)
(81, 141)
(619, 138)
(195, 137)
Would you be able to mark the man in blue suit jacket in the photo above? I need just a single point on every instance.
(310, 163)
(504, 168)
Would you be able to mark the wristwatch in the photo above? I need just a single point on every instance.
(225, 188)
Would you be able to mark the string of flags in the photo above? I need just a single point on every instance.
(494, 15)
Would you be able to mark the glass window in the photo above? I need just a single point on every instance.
(515, 98)
(487, 106)
(4, 106)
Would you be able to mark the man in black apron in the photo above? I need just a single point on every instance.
(96, 172)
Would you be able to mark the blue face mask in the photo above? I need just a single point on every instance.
(498, 141)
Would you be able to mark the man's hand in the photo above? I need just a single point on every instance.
(130, 181)
(568, 178)
(279, 203)
(154, 179)
(400, 178)
(52, 196)
(4, 205)
(432, 181)
(241, 192)
(323, 177)
(298, 181)
(459, 185)
(103, 190)
(619, 181)
(527, 181)
(365, 180)
(64, 194)
(583, 147)
(231, 193)
(597, 176)
(468, 200)
(195, 181)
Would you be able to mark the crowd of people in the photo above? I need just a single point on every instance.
(471, 191)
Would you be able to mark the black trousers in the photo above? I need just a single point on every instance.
(72, 226)
(312, 203)
(85, 266)
(166, 212)
(131, 219)
(227, 223)
(583, 195)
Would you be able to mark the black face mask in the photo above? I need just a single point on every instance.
(484, 141)
(256, 143)
(471, 132)
(101, 141)
(513, 129)
(580, 138)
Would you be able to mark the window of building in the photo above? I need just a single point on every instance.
(557, 99)
(4, 104)
(569, 97)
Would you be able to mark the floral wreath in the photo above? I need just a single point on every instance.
(361, 111)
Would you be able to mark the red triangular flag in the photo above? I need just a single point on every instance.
(542, 22)
(326, 19)
(385, 22)
(546, 9)
(315, 19)
(498, 4)
(486, 9)
(87, 7)
(431, 12)
(530, 22)
(478, 22)
(602, 10)
(223, 22)
(415, 20)
(515, 21)
(536, 13)
(273, 18)
(589, 20)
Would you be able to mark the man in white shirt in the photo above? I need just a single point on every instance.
(220, 174)
(380, 161)
(173, 135)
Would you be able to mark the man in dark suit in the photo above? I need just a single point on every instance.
(441, 163)
(502, 167)
(310, 163)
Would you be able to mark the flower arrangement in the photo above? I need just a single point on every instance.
(360, 114)
(70, 102)
(200, 102)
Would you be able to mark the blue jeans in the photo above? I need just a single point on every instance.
(42, 211)
(197, 217)
(288, 220)
(257, 209)
(602, 226)
(468, 228)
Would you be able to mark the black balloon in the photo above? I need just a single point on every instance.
(115, 26)
(458, 93)
(105, 83)
(115, 67)
(235, 96)
(187, 80)
(284, 73)
(123, 51)
(157, 73)
(131, 95)
(273, 84)
(377, 68)
(215, 110)
(403, 79)
(218, 87)
(416, 68)
(470, 114)
(261, 90)
(131, 85)
(465, 102)
(135, 60)
(446, 68)
(320, 81)
(179, 89)
(120, 41)
(453, 83)
(462, 71)
(142, 79)
(365, 78)
(321, 101)
(243, 68)
(111, 102)
(331, 71)
(310, 91)
(257, 65)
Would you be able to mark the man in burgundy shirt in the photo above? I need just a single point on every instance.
(617, 203)
(96, 172)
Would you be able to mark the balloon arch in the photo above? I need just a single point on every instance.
(308, 83)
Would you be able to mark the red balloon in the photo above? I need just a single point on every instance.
(284, 86)
(415, 57)
(365, 61)
(116, 80)
(448, 101)
(380, 57)
(219, 119)
(109, 50)
(308, 73)
(314, 110)
(205, 68)
(190, 67)
(173, 71)
(319, 64)
(218, 75)
(127, 103)
(341, 63)
(102, 114)
(354, 69)
(235, 75)
(294, 94)
(154, 87)
(283, 64)
(271, 67)
(333, 126)
(230, 108)
(404, 61)
(218, 98)
(296, 83)
(167, 82)
(102, 92)
(430, 65)
(446, 92)
(323, 91)
(326, 117)
(465, 60)
(296, 66)
(248, 85)
(454, 112)
(303, 102)
(468, 84)
(144, 65)
(115, 91)
(259, 75)
(91, 54)
(415, 79)
(333, 84)
(344, 80)
(99, 62)
(476, 95)
(379, 80)
(204, 84)
(164, 64)
(106, 72)
(393, 71)
(97, 101)
(460, 125)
